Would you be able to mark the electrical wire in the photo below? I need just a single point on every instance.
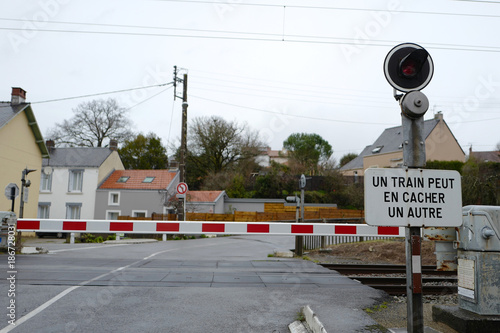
(252, 36)
(335, 102)
(330, 8)
(475, 1)
(290, 115)
(147, 99)
(99, 94)
(171, 121)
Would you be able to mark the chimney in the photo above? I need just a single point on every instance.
(51, 145)
(113, 145)
(173, 165)
(18, 96)
(438, 115)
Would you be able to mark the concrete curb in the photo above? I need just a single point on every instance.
(312, 320)
(283, 253)
(33, 250)
(130, 241)
(311, 323)
(297, 327)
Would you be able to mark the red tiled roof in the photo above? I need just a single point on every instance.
(202, 196)
(162, 179)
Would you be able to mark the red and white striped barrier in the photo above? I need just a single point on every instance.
(212, 227)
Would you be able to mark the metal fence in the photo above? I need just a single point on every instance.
(319, 242)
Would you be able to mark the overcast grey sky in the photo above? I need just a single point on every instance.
(280, 66)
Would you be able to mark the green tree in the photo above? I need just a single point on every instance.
(445, 165)
(347, 158)
(144, 153)
(277, 182)
(237, 188)
(307, 151)
(94, 123)
(480, 183)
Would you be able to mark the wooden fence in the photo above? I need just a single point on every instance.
(277, 212)
(272, 212)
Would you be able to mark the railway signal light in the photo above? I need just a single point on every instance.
(408, 67)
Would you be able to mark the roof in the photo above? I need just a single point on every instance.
(9, 112)
(161, 179)
(274, 153)
(90, 157)
(388, 142)
(486, 156)
(204, 196)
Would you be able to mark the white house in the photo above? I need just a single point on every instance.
(267, 155)
(70, 178)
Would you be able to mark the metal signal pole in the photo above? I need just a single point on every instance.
(408, 68)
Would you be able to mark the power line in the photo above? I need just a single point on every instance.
(291, 115)
(300, 85)
(329, 94)
(314, 100)
(140, 27)
(99, 94)
(147, 99)
(332, 8)
(252, 36)
(475, 1)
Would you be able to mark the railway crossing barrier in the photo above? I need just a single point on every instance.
(202, 227)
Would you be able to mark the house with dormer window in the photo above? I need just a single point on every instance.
(135, 193)
(387, 150)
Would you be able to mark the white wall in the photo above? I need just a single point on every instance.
(59, 195)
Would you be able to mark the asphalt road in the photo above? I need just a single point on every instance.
(224, 284)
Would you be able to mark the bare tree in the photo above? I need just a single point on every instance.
(216, 145)
(93, 123)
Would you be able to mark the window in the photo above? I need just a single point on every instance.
(377, 149)
(45, 182)
(43, 210)
(112, 214)
(73, 210)
(114, 199)
(139, 213)
(168, 210)
(75, 180)
(123, 179)
(148, 179)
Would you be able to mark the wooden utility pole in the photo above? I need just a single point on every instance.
(184, 130)
(181, 216)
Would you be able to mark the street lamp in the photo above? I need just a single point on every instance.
(24, 183)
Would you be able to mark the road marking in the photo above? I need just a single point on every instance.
(38, 309)
(45, 305)
(85, 248)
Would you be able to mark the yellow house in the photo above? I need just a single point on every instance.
(21, 146)
(387, 150)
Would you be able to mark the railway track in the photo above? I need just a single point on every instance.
(392, 278)
(346, 269)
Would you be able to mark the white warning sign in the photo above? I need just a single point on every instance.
(413, 197)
